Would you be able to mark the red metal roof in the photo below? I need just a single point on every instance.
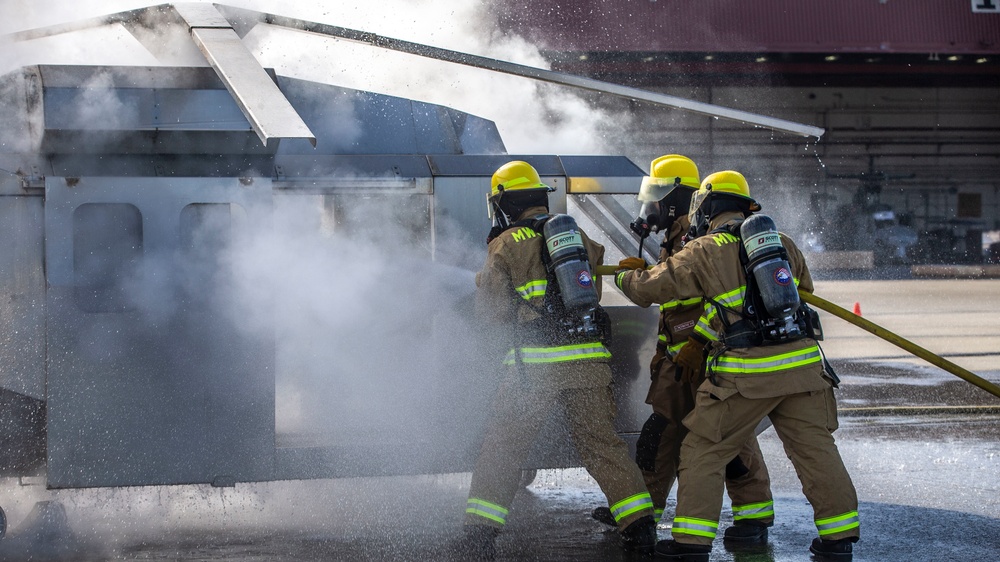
(766, 26)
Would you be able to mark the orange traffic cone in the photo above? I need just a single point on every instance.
(857, 308)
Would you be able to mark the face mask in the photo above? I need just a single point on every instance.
(660, 215)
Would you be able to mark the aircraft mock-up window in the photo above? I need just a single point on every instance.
(107, 247)
(206, 228)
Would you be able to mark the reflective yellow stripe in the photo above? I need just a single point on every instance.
(831, 525)
(729, 299)
(535, 288)
(704, 326)
(676, 304)
(620, 278)
(697, 527)
(751, 365)
(753, 511)
(705, 330)
(630, 505)
(673, 349)
(486, 509)
(518, 181)
(732, 298)
(559, 354)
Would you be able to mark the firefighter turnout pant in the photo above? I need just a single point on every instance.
(517, 414)
(747, 479)
(722, 422)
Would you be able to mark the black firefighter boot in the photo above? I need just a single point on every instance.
(745, 532)
(477, 543)
(603, 514)
(640, 535)
(841, 550)
(682, 552)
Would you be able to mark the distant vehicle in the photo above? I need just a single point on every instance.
(892, 242)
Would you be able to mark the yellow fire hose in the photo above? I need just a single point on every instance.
(881, 332)
(898, 341)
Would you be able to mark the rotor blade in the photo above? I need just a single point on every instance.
(126, 17)
(243, 20)
(266, 108)
(245, 17)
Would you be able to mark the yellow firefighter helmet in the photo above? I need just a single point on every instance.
(515, 187)
(666, 173)
(516, 175)
(728, 182)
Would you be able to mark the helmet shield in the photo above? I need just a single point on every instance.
(654, 189)
(662, 212)
(490, 206)
(696, 200)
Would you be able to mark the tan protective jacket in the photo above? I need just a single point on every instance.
(509, 297)
(679, 316)
(710, 267)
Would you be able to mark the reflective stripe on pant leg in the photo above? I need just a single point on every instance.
(558, 354)
(483, 508)
(753, 511)
(696, 527)
(831, 525)
(631, 505)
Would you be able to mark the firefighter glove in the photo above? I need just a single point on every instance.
(690, 361)
(632, 263)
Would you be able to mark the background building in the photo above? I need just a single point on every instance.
(909, 94)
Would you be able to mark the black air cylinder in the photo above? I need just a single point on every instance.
(569, 259)
(769, 264)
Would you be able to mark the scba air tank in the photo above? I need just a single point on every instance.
(768, 261)
(569, 262)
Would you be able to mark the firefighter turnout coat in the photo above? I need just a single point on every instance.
(541, 374)
(659, 445)
(784, 382)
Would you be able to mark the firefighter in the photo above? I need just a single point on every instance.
(759, 365)
(676, 368)
(556, 357)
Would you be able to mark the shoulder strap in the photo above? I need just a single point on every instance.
(732, 228)
(536, 223)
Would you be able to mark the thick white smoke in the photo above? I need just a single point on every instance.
(373, 345)
(533, 118)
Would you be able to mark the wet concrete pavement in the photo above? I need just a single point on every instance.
(922, 446)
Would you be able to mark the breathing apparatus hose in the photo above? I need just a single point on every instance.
(875, 329)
